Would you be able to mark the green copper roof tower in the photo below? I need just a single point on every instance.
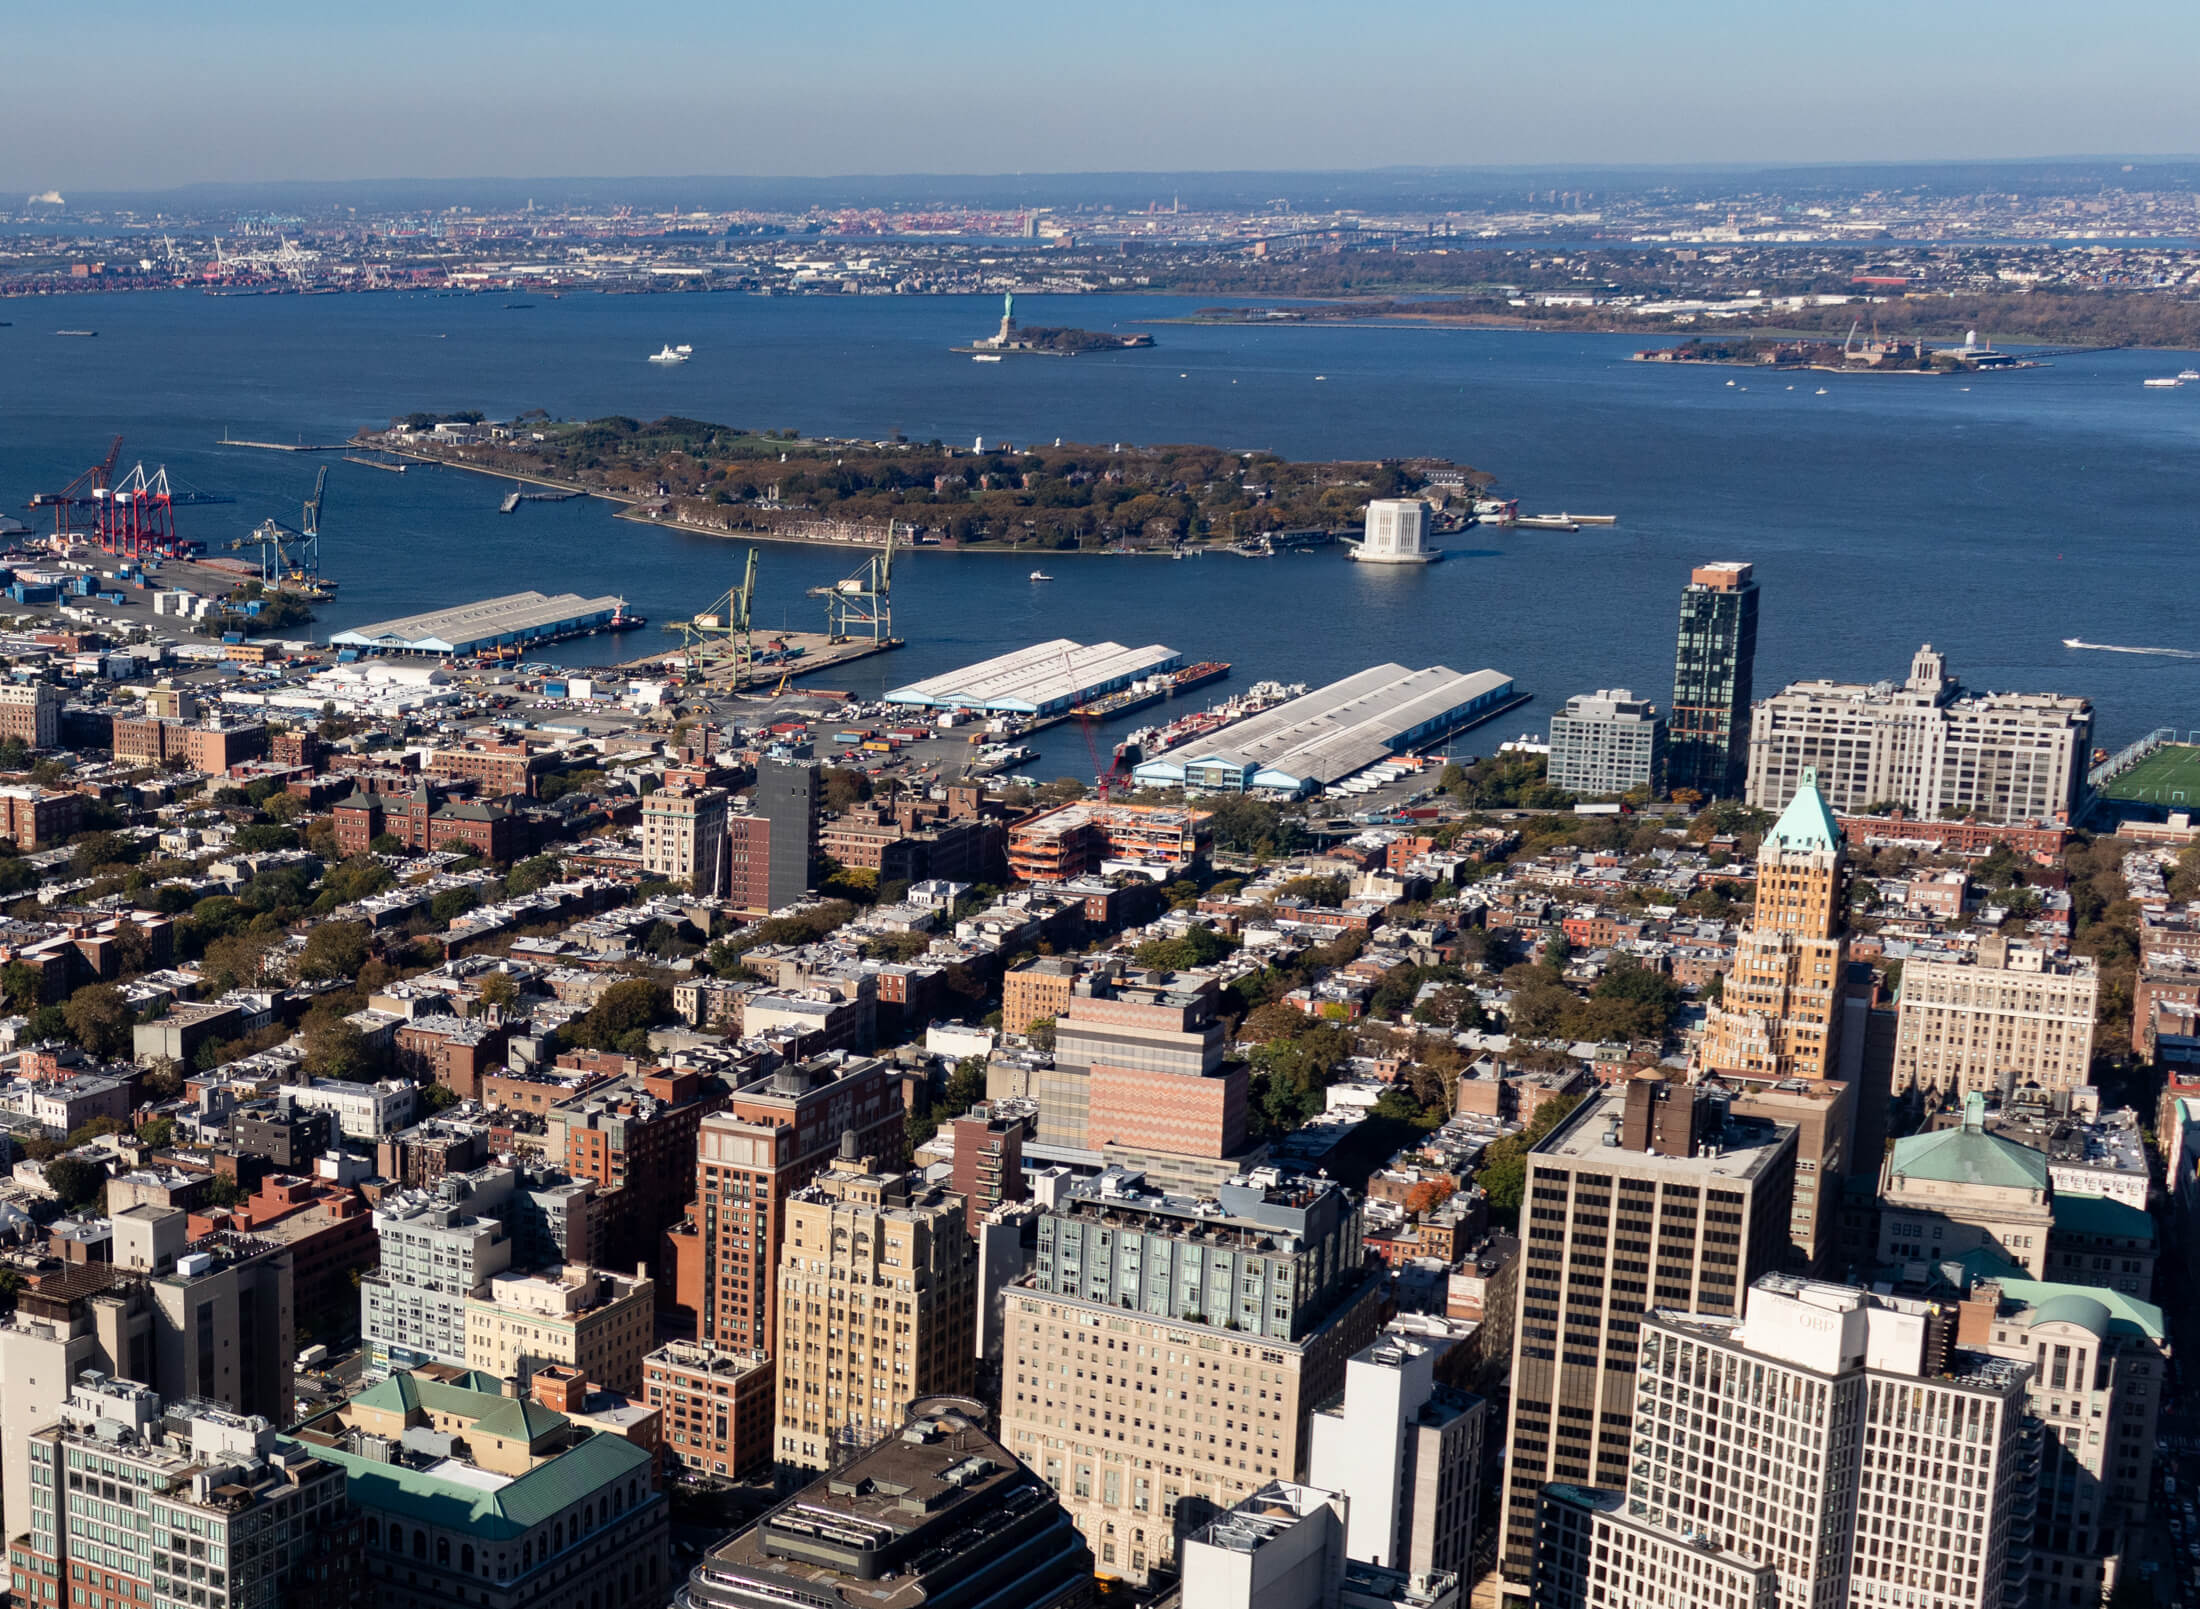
(1707, 738)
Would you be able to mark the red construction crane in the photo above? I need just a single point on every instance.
(83, 492)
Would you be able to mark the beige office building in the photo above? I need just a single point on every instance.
(2016, 1018)
(1778, 1014)
(684, 838)
(1167, 1351)
(1649, 1197)
(597, 1323)
(1926, 745)
(878, 1307)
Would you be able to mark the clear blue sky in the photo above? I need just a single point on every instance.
(135, 94)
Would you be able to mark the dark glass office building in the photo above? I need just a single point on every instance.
(787, 797)
(1707, 734)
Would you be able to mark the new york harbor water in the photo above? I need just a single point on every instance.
(1992, 516)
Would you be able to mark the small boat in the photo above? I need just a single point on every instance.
(669, 354)
(87, 334)
(1821, 391)
(1318, 377)
(2159, 385)
(1041, 575)
(985, 357)
(1730, 382)
(685, 350)
(623, 621)
(2073, 642)
(1544, 522)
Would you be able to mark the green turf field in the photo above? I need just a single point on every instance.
(2168, 776)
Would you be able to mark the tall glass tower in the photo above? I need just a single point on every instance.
(1707, 738)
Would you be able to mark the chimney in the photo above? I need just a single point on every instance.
(560, 1389)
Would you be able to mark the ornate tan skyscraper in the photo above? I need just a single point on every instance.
(1778, 1014)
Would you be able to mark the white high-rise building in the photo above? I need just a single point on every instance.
(1396, 533)
(435, 1254)
(1408, 1450)
(1925, 745)
(1608, 741)
(1828, 1450)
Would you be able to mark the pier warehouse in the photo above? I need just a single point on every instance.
(1318, 740)
(1044, 679)
(512, 621)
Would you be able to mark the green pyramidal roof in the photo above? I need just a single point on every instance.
(1969, 1156)
(1807, 823)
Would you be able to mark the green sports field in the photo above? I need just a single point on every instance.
(2168, 776)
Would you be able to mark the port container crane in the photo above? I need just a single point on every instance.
(717, 640)
(291, 556)
(863, 604)
(137, 518)
(84, 491)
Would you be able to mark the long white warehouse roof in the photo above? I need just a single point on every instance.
(1326, 735)
(515, 617)
(1045, 677)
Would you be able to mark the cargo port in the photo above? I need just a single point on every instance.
(1147, 690)
(1336, 737)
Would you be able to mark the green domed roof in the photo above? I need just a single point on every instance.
(2071, 1308)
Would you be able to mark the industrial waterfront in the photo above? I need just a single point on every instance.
(1872, 513)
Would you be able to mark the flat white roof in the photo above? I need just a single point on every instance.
(1044, 677)
(465, 625)
(1328, 734)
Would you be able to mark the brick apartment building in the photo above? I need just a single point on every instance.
(455, 1052)
(635, 1136)
(912, 840)
(39, 818)
(501, 770)
(211, 747)
(774, 1136)
(31, 714)
(419, 820)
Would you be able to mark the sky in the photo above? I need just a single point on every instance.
(161, 94)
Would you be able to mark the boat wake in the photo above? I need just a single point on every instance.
(2115, 648)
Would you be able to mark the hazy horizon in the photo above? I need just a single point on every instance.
(254, 92)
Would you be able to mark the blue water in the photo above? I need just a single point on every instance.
(1992, 521)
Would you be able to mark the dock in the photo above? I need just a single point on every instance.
(375, 463)
(287, 446)
(513, 499)
(818, 653)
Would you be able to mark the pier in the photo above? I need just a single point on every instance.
(287, 446)
(806, 653)
(513, 499)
